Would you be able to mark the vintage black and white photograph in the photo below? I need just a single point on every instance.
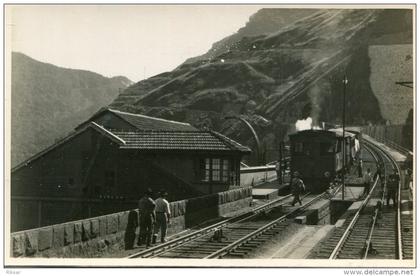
(218, 135)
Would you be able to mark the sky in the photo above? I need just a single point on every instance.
(136, 41)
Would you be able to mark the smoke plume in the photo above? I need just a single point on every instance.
(303, 124)
(316, 97)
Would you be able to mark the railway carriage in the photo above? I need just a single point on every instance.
(318, 155)
(356, 141)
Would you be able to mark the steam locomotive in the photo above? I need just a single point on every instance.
(319, 155)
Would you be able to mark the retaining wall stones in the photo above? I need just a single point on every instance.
(99, 235)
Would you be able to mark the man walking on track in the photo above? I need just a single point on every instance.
(147, 218)
(392, 187)
(379, 172)
(297, 187)
(163, 213)
(367, 179)
(360, 168)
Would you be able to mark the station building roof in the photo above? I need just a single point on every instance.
(200, 140)
(188, 140)
(143, 122)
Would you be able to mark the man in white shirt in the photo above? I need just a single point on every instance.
(163, 213)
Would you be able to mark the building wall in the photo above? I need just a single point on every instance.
(58, 173)
(97, 236)
(182, 166)
(134, 172)
(88, 175)
(80, 168)
(187, 168)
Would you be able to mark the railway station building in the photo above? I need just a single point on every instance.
(116, 155)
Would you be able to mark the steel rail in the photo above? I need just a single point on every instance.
(219, 227)
(238, 221)
(225, 250)
(196, 234)
(374, 219)
(399, 235)
(370, 234)
(349, 228)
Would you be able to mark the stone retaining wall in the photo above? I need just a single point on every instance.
(96, 236)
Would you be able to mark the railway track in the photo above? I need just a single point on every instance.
(373, 230)
(407, 236)
(234, 237)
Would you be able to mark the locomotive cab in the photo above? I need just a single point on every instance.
(318, 156)
(313, 154)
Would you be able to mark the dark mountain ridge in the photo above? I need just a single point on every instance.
(49, 101)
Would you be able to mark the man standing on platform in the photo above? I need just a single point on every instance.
(163, 213)
(297, 187)
(360, 168)
(278, 172)
(147, 218)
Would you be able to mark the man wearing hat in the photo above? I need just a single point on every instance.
(147, 217)
(297, 187)
(163, 213)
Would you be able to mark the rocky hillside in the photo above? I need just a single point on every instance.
(282, 66)
(49, 101)
(264, 22)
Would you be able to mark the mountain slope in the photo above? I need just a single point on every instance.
(282, 73)
(49, 101)
(264, 22)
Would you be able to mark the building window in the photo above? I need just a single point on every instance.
(326, 148)
(225, 170)
(338, 146)
(215, 176)
(215, 169)
(298, 147)
(205, 169)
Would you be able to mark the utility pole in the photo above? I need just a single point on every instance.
(280, 172)
(345, 81)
